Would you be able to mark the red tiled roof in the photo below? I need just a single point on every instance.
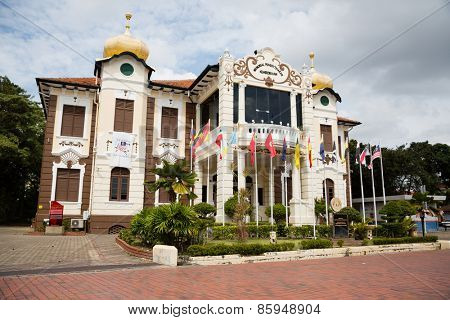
(175, 83)
(78, 81)
(348, 120)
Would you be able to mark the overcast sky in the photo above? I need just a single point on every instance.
(400, 94)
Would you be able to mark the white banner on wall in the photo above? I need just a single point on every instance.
(122, 146)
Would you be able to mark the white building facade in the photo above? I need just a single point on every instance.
(123, 110)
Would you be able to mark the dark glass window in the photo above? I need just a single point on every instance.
(267, 105)
(204, 193)
(298, 107)
(260, 196)
(235, 103)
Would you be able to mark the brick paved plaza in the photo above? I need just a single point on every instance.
(419, 275)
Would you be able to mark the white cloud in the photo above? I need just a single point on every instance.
(400, 93)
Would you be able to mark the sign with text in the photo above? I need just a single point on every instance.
(56, 213)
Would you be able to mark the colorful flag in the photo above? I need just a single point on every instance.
(252, 148)
(334, 154)
(192, 135)
(297, 155)
(310, 152)
(269, 145)
(376, 152)
(219, 140)
(283, 153)
(322, 149)
(233, 139)
(362, 157)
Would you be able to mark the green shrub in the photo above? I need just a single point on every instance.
(279, 212)
(352, 214)
(174, 224)
(302, 232)
(66, 224)
(382, 241)
(396, 211)
(324, 231)
(282, 230)
(365, 242)
(263, 230)
(224, 232)
(340, 243)
(204, 210)
(316, 244)
(244, 249)
(360, 230)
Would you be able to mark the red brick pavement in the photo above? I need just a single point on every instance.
(419, 275)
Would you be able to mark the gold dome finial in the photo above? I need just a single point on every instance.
(311, 57)
(128, 16)
(125, 43)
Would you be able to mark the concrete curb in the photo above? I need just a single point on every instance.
(318, 253)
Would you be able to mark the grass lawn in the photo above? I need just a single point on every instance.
(262, 241)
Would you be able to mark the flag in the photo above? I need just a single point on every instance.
(202, 135)
(192, 135)
(362, 157)
(376, 152)
(310, 152)
(322, 149)
(219, 140)
(252, 148)
(334, 154)
(269, 145)
(233, 139)
(297, 155)
(283, 153)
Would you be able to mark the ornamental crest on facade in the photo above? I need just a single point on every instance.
(266, 66)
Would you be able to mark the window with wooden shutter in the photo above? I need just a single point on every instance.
(72, 121)
(67, 185)
(325, 131)
(169, 123)
(123, 118)
(164, 196)
(120, 184)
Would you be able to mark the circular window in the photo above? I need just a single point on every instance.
(324, 100)
(127, 69)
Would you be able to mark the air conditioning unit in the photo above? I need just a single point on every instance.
(76, 223)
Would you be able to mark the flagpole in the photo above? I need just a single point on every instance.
(286, 193)
(192, 145)
(256, 188)
(373, 188)
(326, 193)
(207, 180)
(271, 193)
(362, 189)
(382, 175)
(223, 180)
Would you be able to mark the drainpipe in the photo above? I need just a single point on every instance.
(94, 148)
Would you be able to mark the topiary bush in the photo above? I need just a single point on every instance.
(230, 206)
(204, 210)
(245, 249)
(279, 213)
(316, 244)
(224, 232)
(352, 214)
(324, 231)
(263, 230)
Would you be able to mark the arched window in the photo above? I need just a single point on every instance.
(330, 189)
(120, 184)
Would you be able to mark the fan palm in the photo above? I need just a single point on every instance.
(175, 178)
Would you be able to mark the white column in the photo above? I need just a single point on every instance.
(295, 203)
(293, 109)
(224, 171)
(240, 168)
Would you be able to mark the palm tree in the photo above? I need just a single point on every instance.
(175, 178)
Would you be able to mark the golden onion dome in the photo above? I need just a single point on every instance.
(319, 80)
(125, 43)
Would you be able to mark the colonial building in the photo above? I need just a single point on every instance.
(104, 134)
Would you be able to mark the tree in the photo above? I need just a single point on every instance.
(21, 137)
(279, 212)
(242, 208)
(352, 214)
(204, 210)
(396, 211)
(175, 178)
(230, 206)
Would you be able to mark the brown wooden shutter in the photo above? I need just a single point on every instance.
(67, 185)
(164, 196)
(169, 123)
(325, 130)
(123, 118)
(73, 121)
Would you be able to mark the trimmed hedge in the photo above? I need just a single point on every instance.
(316, 244)
(245, 249)
(381, 241)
